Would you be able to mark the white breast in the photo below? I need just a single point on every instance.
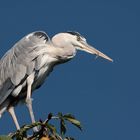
(44, 68)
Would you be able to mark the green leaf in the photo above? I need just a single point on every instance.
(5, 138)
(68, 138)
(74, 122)
(51, 128)
(69, 116)
(60, 115)
(62, 127)
(50, 116)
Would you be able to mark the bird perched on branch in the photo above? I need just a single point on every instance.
(27, 64)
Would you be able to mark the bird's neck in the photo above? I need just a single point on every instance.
(64, 53)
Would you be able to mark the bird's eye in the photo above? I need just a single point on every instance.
(78, 38)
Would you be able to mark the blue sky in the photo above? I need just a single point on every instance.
(104, 96)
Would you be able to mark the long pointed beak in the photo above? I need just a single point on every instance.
(87, 48)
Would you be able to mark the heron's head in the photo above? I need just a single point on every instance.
(78, 42)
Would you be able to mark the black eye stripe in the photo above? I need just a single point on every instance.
(79, 36)
(42, 34)
(74, 33)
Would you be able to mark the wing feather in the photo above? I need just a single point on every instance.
(19, 62)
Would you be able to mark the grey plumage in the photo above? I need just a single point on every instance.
(27, 64)
(18, 63)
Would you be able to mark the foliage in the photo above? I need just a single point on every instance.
(46, 130)
(5, 138)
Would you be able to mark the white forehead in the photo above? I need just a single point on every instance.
(66, 37)
(62, 38)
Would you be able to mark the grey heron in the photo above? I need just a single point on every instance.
(27, 64)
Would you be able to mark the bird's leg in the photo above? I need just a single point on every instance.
(30, 80)
(12, 113)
